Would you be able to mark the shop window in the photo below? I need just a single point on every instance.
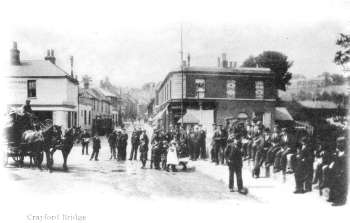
(31, 86)
(89, 117)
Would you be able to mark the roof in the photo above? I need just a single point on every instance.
(318, 104)
(107, 93)
(38, 68)
(282, 114)
(230, 70)
(210, 70)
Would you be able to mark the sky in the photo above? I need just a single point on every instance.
(136, 42)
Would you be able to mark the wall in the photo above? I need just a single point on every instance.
(227, 109)
(215, 86)
(55, 91)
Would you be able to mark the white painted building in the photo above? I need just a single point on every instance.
(52, 91)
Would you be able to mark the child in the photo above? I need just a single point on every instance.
(143, 152)
(172, 159)
(96, 145)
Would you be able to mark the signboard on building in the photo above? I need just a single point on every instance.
(200, 88)
(231, 89)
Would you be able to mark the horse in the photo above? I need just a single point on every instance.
(40, 141)
(66, 146)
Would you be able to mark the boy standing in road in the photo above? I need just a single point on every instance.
(96, 146)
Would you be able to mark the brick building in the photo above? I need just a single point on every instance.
(215, 94)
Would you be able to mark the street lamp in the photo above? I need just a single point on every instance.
(200, 92)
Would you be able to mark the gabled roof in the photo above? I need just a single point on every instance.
(38, 68)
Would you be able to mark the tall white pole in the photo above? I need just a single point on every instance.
(182, 78)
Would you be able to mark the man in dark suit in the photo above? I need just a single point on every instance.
(85, 137)
(124, 143)
(135, 141)
(112, 141)
(233, 155)
(96, 146)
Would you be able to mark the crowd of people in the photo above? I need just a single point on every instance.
(312, 160)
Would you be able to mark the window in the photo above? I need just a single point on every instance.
(69, 120)
(200, 88)
(89, 117)
(259, 89)
(231, 89)
(85, 117)
(31, 86)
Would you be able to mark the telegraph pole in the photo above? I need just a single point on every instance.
(182, 79)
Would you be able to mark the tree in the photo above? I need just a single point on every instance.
(277, 62)
(249, 62)
(342, 56)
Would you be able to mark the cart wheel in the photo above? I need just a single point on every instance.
(16, 158)
(184, 167)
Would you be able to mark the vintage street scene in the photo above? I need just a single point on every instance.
(238, 114)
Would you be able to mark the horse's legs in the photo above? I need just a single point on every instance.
(48, 160)
(64, 154)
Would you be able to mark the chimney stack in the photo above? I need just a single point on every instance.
(235, 64)
(188, 60)
(50, 56)
(224, 60)
(219, 62)
(15, 60)
(71, 65)
(86, 83)
(230, 64)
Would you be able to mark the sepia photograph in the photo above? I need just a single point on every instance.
(175, 111)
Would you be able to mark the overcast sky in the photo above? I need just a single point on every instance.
(137, 42)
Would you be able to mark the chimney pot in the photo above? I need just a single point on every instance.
(50, 57)
(15, 54)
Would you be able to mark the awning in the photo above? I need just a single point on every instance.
(159, 114)
(189, 118)
(282, 114)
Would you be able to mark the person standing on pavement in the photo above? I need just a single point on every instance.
(202, 143)
(233, 155)
(96, 146)
(85, 142)
(135, 142)
(216, 145)
(223, 143)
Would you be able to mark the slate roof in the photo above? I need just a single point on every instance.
(38, 68)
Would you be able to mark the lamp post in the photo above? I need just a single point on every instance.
(199, 91)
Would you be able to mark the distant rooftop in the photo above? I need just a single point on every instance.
(318, 104)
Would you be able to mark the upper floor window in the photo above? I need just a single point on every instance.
(231, 89)
(259, 89)
(31, 86)
(200, 88)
